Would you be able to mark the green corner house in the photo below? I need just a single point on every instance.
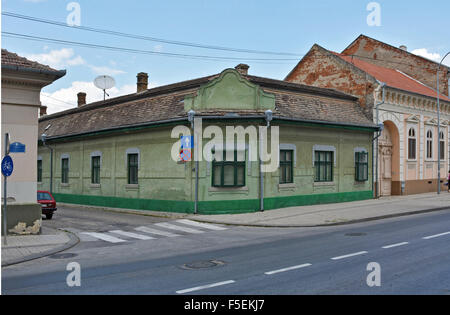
(118, 152)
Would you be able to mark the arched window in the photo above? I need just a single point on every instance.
(412, 144)
(429, 144)
(442, 145)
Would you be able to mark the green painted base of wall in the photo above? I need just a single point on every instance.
(213, 207)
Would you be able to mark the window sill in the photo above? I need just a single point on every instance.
(132, 186)
(225, 190)
(320, 184)
(65, 185)
(96, 186)
(287, 186)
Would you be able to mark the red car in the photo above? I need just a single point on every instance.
(47, 202)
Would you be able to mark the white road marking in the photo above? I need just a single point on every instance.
(104, 237)
(437, 235)
(202, 225)
(132, 235)
(205, 286)
(287, 269)
(178, 228)
(395, 245)
(156, 232)
(349, 255)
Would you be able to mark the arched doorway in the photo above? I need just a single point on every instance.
(389, 159)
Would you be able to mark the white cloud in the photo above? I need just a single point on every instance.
(106, 70)
(58, 100)
(430, 55)
(425, 53)
(57, 59)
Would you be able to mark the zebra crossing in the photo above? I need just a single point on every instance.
(156, 231)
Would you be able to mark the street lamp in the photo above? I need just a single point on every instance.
(439, 125)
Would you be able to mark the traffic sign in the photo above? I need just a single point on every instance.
(7, 166)
(187, 142)
(185, 155)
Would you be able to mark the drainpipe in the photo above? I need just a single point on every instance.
(191, 115)
(383, 87)
(44, 138)
(268, 116)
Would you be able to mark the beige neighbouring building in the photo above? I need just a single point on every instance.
(22, 81)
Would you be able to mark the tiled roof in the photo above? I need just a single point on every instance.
(13, 60)
(393, 78)
(161, 104)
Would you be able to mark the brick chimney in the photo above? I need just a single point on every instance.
(142, 82)
(242, 68)
(42, 111)
(81, 99)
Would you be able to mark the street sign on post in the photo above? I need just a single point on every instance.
(7, 167)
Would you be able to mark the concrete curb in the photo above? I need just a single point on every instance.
(324, 224)
(74, 240)
(148, 213)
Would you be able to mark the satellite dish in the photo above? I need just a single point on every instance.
(104, 82)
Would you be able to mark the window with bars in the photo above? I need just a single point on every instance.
(323, 164)
(228, 173)
(286, 166)
(95, 170)
(39, 171)
(65, 170)
(412, 144)
(361, 166)
(133, 166)
(442, 145)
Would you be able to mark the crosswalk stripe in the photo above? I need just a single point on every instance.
(132, 235)
(179, 228)
(156, 232)
(201, 225)
(105, 237)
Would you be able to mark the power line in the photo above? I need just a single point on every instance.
(147, 38)
(137, 51)
(53, 98)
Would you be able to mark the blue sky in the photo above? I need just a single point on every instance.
(282, 26)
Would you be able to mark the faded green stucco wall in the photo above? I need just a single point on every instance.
(168, 185)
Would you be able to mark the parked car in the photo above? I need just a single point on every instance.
(47, 202)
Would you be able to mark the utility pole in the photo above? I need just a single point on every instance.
(439, 126)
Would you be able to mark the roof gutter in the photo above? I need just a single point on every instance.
(57, 73)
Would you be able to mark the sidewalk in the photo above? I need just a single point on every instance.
(335, 214)
(23, 248)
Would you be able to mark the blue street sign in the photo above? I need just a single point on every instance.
(187, 142)
(17, 147)
(7, 166)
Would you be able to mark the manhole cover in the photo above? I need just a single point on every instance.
(203, 264)
(63, 256)
(355, 234)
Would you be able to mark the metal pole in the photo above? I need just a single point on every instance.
(5, 193)
(439, 126)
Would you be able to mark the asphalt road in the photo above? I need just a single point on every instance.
(413, 254)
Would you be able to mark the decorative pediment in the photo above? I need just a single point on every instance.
(434, 122)
(230, 91)
(431, 122)
(413, 119)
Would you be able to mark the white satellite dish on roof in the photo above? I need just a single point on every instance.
(104, 82)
